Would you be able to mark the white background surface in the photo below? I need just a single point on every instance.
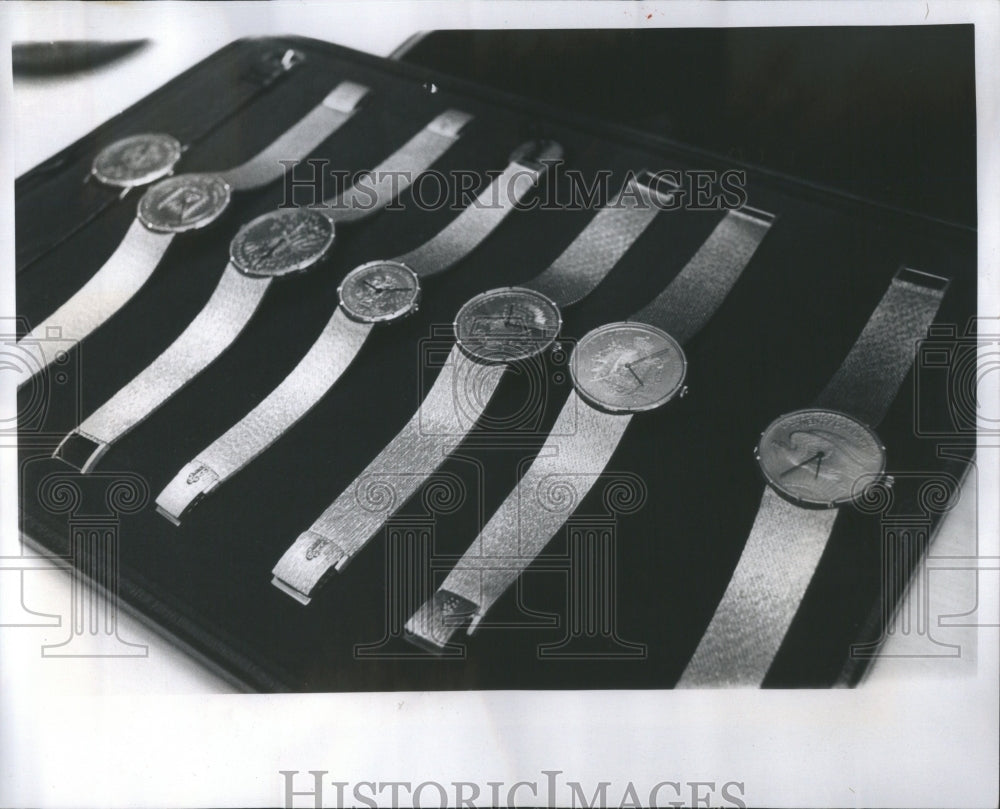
(160, 730)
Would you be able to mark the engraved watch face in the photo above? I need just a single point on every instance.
(820, 458)
(281, 242)
(628, 367)
(506, 325)
(380, 291)
(137, 160)
(185, 202)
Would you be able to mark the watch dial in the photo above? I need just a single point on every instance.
(185, 202)
(137, 160)
(506, 325)
(281, 242)
(380, 291)
(628, 367)
(820, 458)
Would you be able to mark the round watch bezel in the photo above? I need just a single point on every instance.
(593, 400)
(813, 503)
(411, 307)
(159, 226)
(540, 348)
(163, 169)
(292, 268)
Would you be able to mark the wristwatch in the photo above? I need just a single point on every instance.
(493, 330)
(814, 461)
(377, 292)
(145, 157)
(618, 370)
(175, 205)
(280, 243)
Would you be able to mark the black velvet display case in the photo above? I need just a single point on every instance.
(772, 346)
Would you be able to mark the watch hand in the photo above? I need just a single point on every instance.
(184, 208)
(524, 327)
(649, 356)
(817, 457)
(638, 378)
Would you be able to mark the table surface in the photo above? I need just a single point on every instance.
(49, 114)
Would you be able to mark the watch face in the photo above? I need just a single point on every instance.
(281, 242)
(820, 458)
(506, 325)
(137, 160)
(628, 367)
(185, 202)
(380, 291)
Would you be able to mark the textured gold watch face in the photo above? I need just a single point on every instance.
(507, 325)
(820, 458)
(380, 291)
(185, 202)
(628, 367)
(281, 242)
(137, 160)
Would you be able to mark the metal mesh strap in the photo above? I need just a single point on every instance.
(574, 456)
(474, 224)
(298, 141)
(869, 379)
(315, 374)
(128, 269)
(690, 300)
(454, 403)
(232, 303)
(601, 245)
(763, 595)
(395, 174)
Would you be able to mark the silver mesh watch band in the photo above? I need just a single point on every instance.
(104, 294)
(560, 477)
(869, 378)
(601, 245)
(787, 541)
(135, 259)
(453, 405)
(229, 308)
(219, 323)
(456, 400)
(298, 141)
(395, 174)
(338, 345)
(579, 446)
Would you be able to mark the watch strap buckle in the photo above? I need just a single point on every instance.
(189, 485)
(432, 626)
